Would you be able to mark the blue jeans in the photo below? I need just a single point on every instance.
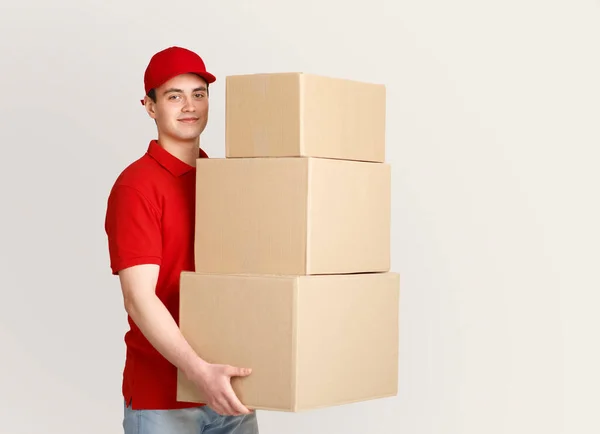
(196, 420)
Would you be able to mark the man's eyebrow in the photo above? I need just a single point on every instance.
(171, 90)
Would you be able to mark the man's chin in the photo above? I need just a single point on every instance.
(188, 136)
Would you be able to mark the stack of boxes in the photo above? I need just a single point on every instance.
(292, 246)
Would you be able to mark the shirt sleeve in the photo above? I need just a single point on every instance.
(133, 227)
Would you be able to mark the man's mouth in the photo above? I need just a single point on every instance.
(188, 120)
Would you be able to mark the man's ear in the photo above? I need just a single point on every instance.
(150, 107)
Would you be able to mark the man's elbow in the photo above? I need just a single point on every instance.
(130, 303)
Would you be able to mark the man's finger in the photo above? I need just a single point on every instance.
(239, 372)
(235, 403)
(223, 407)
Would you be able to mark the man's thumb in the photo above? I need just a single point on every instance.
(240, 372)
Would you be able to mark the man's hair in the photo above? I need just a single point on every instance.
(152, 93)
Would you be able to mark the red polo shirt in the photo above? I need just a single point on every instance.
(150, 220)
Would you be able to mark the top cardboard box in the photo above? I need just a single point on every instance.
(304, 115)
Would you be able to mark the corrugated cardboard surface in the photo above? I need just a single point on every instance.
(292, 216)
(349, 211)
(312, 341)
(299, 114)
(263, 115)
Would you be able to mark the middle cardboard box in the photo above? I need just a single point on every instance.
(292, 216)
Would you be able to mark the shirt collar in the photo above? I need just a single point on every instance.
(169, 161)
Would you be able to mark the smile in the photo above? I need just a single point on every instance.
(188, 120)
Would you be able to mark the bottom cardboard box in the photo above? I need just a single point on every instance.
(311, 341)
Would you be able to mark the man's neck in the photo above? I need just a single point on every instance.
(186, 151)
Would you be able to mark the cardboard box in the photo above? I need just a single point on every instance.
(311, 341)
(292, 216)
(304, 115)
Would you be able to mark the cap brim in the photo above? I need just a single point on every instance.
(206, 76)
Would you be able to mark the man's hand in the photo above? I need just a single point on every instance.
(214, 381)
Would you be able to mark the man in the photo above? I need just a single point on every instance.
(150, 228)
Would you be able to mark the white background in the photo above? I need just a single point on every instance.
(493, 135)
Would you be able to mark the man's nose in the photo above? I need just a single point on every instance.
(188, 105)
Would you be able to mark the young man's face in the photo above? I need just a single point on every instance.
(181, 108)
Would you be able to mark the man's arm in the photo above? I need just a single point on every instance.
(133, 226)
(138, 284)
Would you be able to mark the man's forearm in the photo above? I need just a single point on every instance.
(158, 326)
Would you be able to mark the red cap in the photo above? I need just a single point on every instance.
(171, 62)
